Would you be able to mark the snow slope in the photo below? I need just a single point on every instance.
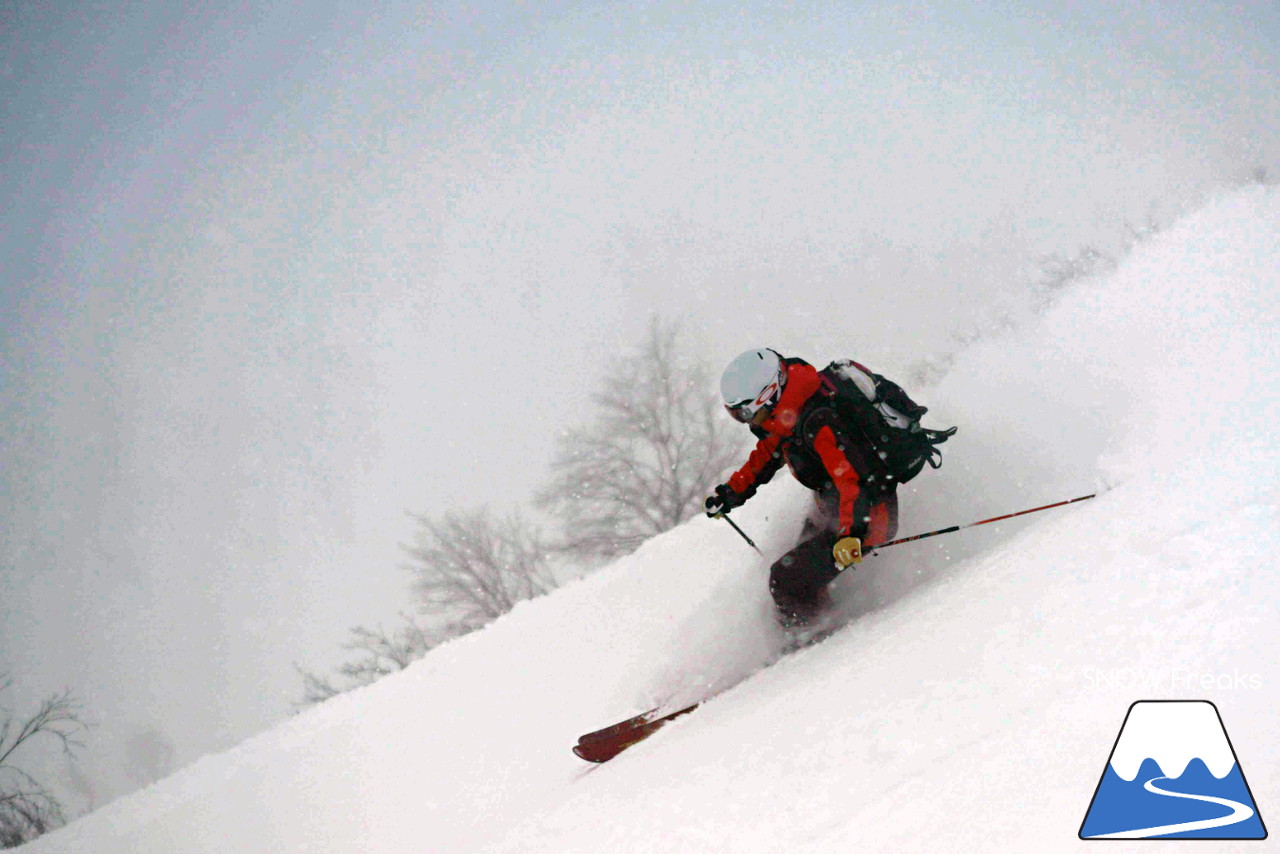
(973, 699)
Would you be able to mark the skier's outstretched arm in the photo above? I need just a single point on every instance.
(760, 468)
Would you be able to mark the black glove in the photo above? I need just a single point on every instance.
(724, 500)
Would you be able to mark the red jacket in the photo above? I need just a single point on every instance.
(824, 454)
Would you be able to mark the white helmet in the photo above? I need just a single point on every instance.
(751, 383)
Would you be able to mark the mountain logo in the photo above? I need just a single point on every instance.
(1173, 774)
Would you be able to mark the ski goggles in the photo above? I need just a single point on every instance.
(755, 411)
(742, 413)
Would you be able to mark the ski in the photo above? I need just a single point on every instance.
(615, 730)
(603, 744)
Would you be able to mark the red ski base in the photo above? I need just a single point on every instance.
(604, 744)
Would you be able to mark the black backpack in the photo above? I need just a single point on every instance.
(878, 411)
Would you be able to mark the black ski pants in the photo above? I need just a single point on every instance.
(798, 580)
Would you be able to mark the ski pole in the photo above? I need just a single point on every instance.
(741, 533)
(955, 528)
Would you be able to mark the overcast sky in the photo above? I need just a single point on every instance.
(276, 273)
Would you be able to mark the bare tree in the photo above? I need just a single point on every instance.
(470, 568)
(659, 440)
(378, 653)
(27, 808)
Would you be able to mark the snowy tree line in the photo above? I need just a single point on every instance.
(640, 464)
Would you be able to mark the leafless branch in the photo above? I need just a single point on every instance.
(655, 446)
(377, 654)
(27, 808)
(470, 568)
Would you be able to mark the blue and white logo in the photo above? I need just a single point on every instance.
(1173, 774)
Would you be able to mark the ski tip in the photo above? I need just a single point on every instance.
(595, 753)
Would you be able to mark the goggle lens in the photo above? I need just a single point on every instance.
(749, 410)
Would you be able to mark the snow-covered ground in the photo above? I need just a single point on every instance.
(973, 699)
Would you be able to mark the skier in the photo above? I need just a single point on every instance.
(846, 433)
